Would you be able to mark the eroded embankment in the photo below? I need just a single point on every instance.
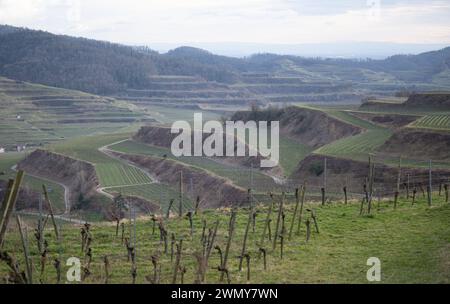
(307, 126)
(162, 137)
(435, 100)
(391, 121)
(418, 144)
(78, 176)
(214, 191)
(353, 174)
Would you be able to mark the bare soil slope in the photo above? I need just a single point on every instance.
(435, 100)
(391, 121)
(78, 176)
(418, 144)
(162, 137)
(216, 191)
(341, 172)
(307, 126)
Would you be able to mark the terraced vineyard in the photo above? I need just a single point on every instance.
(239, 176)
(434, 121)
(114, 174)
(356, 147)
(36, 115)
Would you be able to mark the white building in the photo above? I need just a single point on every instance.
(2, 150)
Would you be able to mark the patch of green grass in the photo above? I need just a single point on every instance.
(86, 147)
(157, 193)
(291, 153)
(411, 242)
(167, 115)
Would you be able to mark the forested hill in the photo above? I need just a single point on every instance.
(89, 65)
(106, 68)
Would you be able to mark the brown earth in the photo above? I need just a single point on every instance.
(418, 144)
(341, 172)
(421, 101)
(307, 126)
(436, 100)
(78, 176)
(162, 137)
(216, 191)
(391, 121)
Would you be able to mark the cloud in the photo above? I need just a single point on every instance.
(260, 21)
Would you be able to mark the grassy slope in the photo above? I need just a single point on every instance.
(44, 123)
(412, 243)
(291, 153)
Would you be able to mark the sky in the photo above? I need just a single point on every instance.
(184, 22)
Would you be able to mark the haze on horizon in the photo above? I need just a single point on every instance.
(352, 28)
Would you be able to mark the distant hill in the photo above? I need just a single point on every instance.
(106, 68)
(88, 65)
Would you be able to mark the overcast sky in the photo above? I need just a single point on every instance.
(249, 21)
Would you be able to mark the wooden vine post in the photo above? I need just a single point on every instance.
(9, 201)
(267, 222)
(177, 261)
(180, 210)
(446, 192)
(244, 244)
(277, 226)
(302, 202)
(371, 180)
(294, 215)
(223, 267)
(345, 194)
(50, 209)
(24, 239)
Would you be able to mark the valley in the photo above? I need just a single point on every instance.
(363, 154)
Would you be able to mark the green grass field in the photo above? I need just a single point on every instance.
(411, 242)
(155, 192)
(167, 115)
